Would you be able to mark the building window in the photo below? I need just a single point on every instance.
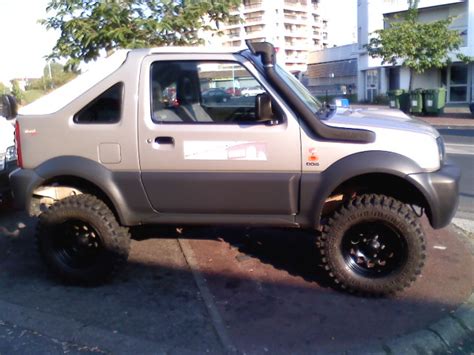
(458, 83)
(393, 78)
(372, 83)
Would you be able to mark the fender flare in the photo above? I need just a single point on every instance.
(317, 187)
(123, 188)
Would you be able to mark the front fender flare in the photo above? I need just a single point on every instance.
(317, 187)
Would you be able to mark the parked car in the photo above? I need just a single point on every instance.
(358, 180)
(233, 91)
(215, 95)
(8, 158)
(252, 91)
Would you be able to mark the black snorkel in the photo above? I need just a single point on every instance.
(267, 53)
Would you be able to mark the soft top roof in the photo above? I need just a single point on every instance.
(58, 98)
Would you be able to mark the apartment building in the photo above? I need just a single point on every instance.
(295, 27)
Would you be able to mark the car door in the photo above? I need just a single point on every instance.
(212, 157)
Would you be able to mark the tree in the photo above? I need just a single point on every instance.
(421, 46)
(54, 75)
(89, 26)
(4, 89)
(17, 92)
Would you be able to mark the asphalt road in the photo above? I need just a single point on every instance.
(460, 149)
(259, 291)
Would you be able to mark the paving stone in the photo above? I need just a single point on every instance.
(422, 341)
(449, 330)
(465, 314)
(368, 351)
(470, 301)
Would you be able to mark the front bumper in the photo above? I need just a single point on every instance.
(4, 180)
(441, 191)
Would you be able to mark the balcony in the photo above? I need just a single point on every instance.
(296, 46)
(254, 19)
(296, 34)
(295, 5)
(252, 6)
(295, 19)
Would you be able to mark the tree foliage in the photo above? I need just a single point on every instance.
(421, 46)
(17, 91)
(4, 89)
(54, 76)
(89, 26)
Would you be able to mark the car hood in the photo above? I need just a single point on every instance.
(367, 118)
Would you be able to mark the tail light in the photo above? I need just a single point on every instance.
(18, 144)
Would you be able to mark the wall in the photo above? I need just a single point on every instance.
(333, 54)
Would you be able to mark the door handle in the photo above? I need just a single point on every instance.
(164, 140)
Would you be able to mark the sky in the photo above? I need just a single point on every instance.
(342, 21)
(25, 43)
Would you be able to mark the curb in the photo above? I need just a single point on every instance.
(452, 126)
(436, 338)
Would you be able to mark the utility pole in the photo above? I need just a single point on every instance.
(50, 75)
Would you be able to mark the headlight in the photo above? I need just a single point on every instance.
(441, 149)
(11, 154)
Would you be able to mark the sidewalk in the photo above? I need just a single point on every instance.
(452, 116)
(450, 120)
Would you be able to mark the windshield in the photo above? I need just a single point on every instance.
(311, 102)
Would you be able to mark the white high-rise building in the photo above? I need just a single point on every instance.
(295, 27)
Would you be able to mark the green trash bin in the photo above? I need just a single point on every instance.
(434, 100)
(416, 101)
(394, 98)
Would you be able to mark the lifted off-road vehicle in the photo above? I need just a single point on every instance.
(141, 140)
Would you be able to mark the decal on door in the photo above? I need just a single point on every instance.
(225, 150)
(312, 159)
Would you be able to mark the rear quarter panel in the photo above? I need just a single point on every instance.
(44, 137)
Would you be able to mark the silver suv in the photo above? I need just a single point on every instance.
(133, 142)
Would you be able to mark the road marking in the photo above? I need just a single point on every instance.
(464, 149)
(216, 318)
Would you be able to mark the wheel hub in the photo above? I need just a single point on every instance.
(373, 249)
(76, 243)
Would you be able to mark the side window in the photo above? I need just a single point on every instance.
(106, 108)
(203, 92)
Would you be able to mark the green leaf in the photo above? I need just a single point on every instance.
(89, 26)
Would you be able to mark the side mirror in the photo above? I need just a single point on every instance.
(263, 109)
(9, 107)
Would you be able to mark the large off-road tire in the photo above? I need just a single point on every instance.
(373, 245)
(81, 241)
